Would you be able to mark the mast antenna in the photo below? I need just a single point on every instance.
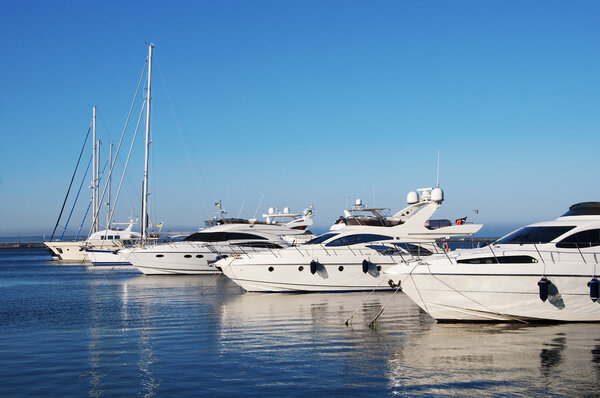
(437, 179)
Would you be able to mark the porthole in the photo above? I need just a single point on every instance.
(300, 268)
(199, 256)
(379, 268)
(341, 268)
(160, 255)
(271, 269)
(188, 256)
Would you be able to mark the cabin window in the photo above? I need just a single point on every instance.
(581, 239)
(243, 236)
(199, 256)
(207, 237)
(102, 237)
(160, 255)
(264, 245)
(535, 235)
(356, 239)
(109, 237)
(499, 259)
(117, 236)
(188, 256)
(320, 239)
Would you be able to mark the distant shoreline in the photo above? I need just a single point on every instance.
(19, 245)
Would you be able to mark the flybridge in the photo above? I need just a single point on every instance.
(584, 209)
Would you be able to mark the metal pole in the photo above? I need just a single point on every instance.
(109, 180)
(145, 186)
(94, 169)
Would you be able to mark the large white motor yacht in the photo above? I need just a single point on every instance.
(224, 237)
(351, 258)
(545, 271)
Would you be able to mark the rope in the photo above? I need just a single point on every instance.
(383, 308)
(75, 202)
(71, 183)
(185, 147)
(363, 302)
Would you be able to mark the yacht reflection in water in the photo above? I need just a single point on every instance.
(502, 359)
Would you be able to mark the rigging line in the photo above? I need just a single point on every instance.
(185, 147)
(363, 302)
(71, 183)
(137, 127)
(371, 324)
(76, 197)
(119, 146)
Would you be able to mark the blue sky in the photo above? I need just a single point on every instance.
(300, 102)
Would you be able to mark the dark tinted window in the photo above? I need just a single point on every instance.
(500, 259)
(207, 237)
(320, 239)
(266, 245)
(584, 209)
(243, 236)
(581, 239)
(535, 235)
(356, 239)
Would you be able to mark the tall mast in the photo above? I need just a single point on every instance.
(94, 172)
(145, 186)
(108, 182)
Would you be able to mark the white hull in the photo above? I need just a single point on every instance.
(100, 256)
(267, 272)
(68, 251)
(467, 292)
(173, 258)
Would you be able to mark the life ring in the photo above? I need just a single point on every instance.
(445, 247)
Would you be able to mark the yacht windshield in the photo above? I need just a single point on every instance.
(535, 235)
(356, 239)
(320, 239)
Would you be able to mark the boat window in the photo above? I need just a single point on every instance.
(243, 236)
(265, 245)
(535, 235)
(356, 239)
(320, 239)
(102, 237)
(499, 259)
(584, 209)
(117, 236)
(109, 237)
(207, 237)
(581, 239)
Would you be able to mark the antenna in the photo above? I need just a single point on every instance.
(437, 179)
(241, 208)
(259, 202)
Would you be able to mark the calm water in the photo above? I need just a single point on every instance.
(70, 330)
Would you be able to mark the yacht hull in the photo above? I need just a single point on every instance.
(68, 251)
(104, 257)
(472, 293)
(270, 273)
(168, 259)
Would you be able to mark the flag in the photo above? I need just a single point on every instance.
(218, 204)
(159, 225)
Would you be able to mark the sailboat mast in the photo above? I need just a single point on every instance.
(94, 171)
(145, 186)
(108, 182)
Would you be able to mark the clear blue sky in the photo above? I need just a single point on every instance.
(312, 101)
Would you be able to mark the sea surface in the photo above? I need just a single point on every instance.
(76, 330)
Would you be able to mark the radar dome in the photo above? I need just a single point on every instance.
(358, 202)
(437, 195)
(286, 210)
(271, 210)
(412, 198)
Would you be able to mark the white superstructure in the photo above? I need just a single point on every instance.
(545, 271)
(348, 259)
(228, 236)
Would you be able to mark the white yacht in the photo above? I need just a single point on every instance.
(545, 271)
(352, 258)
(225, 237)
(102, 247)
